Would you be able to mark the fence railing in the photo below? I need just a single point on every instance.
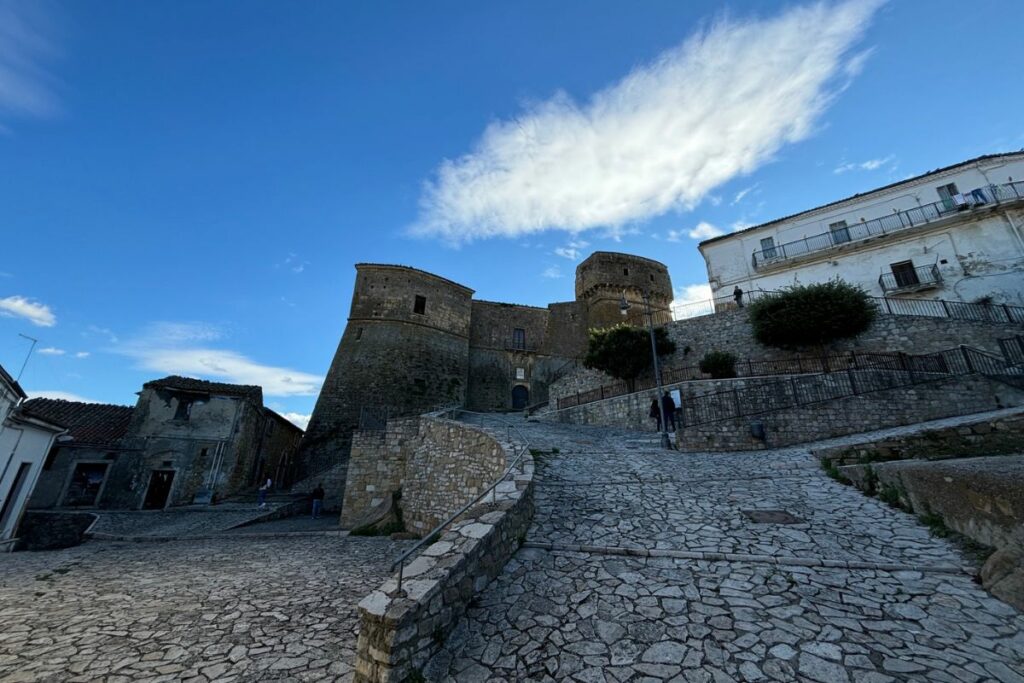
(744, 368)
(806, 389)
(895, 222)
(929, 308)
(910, 279)
(1013, 349)
(518, 451)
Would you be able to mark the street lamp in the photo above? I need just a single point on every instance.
(624, 307)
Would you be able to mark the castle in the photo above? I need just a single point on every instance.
(415, 341)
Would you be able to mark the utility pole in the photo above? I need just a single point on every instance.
(624, 306)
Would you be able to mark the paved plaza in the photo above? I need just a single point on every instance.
(642, 566)
(225, 609)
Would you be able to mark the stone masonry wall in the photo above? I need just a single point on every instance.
(990, 436)
(854, 414)
(451, 465)
(377, 466)
(731, 331)
(401, 629)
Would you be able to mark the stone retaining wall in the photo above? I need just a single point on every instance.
(731, 331)
(400, 631)
(376, 467)
(990, 436)
(854, 414)
(52, 530)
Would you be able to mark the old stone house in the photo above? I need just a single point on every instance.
(185, 441)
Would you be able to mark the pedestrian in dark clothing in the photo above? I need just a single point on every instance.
(656, 414)
(669, 406)
(318, 500)
(737, 294)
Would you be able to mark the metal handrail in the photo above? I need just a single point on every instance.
(884, 225)
(400, 562)
(923, 276)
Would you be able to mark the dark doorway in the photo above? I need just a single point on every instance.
(520, 397)
(8, 510)
(159, 489)
(86, 483)
(905, 274)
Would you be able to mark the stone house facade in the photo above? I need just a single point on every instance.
(185, 441)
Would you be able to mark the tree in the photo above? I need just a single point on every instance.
(624, 352)
(812, 315)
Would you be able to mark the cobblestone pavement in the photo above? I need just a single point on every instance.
(228, 609)
(854, 591)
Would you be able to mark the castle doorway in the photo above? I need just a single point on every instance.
(520, 397)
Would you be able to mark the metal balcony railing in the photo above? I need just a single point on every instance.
(910, 279)
(897, 221)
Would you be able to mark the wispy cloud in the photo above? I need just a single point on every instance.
(183, 348)
(552, 272)
(568, 252)
(298, 419)
(82, 354)
(51, 351)
(32, 311)
(869, 165)
(716, 107)
(743, 193)
(705, 231)
(293, 263)
(692, 300)
(675, 235)
(62, 395)
(102, 332)
(25, 46)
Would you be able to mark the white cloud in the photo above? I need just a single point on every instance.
(869, 165)
(552, 272)
(743, 193)
(293, 263)
(82, 354)
(705, 231)
(741, 224)
(181, 349)
(674, 235)
(567, 252)
(102, 331)
(52, 351)
(692, 300)
(298, 419)
(716, 107)
(33, 311)
(62, 395)
(24, 46)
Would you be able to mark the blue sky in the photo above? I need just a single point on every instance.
(185, 186)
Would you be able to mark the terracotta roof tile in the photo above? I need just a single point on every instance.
(91, 423)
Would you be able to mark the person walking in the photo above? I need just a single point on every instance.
(261, 495)
(656, 414)
(737, 295)
(669, 406)
(318, 500)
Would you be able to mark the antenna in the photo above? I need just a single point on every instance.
(30, 350)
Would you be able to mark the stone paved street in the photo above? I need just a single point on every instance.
(641, 604)
(227, 609)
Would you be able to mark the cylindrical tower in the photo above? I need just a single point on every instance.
(605, 277)
(405, 348)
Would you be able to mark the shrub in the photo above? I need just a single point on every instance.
(812, 315)
(718, 364)
(624, 352)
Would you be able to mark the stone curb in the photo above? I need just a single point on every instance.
(220, 534)
(811, 471)
(737, 557)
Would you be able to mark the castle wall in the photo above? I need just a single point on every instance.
(391, 355)
(605, 277)
(567, 330)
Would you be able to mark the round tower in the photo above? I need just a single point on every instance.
(605, 277)
(405, 349)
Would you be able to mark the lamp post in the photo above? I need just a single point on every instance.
(624, 307)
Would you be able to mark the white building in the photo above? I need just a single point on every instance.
(954, 234)
(25, 441)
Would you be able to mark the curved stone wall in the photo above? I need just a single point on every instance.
(603, 279)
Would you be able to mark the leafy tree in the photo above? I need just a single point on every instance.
(624, 352)
(718, 364)
(812, 315)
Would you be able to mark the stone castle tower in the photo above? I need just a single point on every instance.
(415, 341)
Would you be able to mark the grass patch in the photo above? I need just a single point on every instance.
(936, 525)
(833, 472)
(890, 495)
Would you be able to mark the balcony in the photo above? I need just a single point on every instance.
(899, 220)
(905, 280)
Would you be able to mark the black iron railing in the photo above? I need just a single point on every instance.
(910, 279)
(1013, 349)
(897, 221)
(805, 389)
